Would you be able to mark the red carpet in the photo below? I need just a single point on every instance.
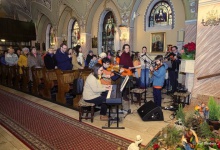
(42, 128)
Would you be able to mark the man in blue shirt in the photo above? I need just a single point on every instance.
(63, 58)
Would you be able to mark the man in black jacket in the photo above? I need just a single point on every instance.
(173, 71)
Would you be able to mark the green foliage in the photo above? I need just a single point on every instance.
(180, 114)
(214, 109)
(173, 136)
(204, 130)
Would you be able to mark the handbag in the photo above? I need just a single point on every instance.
(78, 86)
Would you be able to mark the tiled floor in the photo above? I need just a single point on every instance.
(132, 122)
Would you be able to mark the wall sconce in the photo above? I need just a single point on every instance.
(180, 35)
(123, 37)
(212, 19)
(124, 32)
(82, 41)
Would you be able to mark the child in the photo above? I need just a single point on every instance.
(158, 78)
(108, 75)
(93, 61)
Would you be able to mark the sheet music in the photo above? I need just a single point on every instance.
(109, 93)
(124, 83)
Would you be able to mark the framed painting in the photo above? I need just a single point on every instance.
(158, 42)
(94, 42)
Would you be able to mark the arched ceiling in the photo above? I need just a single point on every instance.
(15, 8)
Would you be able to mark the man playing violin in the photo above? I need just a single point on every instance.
(158, 78)
(173, 71)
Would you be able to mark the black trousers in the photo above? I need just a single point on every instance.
(99, 101)
(157, 96)
(173, 76)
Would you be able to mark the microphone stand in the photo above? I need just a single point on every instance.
(145, 65)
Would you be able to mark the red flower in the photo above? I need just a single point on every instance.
(156, 146)
(190, 47)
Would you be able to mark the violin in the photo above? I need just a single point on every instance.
(113, 68)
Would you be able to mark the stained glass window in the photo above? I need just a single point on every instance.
(161, 15)
(52, 37)
(108, 32)
(75, 38)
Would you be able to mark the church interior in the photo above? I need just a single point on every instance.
(44, 100)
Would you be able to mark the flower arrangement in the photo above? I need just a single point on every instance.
(188, 51)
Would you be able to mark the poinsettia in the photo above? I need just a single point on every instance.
(188, 51)
(156, 146)
(190, 48)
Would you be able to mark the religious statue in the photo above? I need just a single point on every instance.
(136, 144)
(109, 27)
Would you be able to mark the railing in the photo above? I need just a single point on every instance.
(208, 76)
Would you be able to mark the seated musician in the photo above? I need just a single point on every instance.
(108, 75)
(158, 78)
(93, 89)
(101, 56)
(190, 139)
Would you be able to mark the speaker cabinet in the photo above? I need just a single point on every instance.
(150, 112)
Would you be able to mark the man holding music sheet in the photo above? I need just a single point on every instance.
(127, 64)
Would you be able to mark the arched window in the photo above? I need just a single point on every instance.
(75, 36)
(52, 37)
(161, 15)
(108, 32)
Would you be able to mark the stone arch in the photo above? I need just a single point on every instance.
(91, 14)
(41, 28)
(64, 23)
(100, 28)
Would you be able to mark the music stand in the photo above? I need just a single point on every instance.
(145, 65)
(114, 102)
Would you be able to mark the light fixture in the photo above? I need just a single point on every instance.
(123, 37)
(212, 19)
(82, 41)
(124, 32)
(2, 40)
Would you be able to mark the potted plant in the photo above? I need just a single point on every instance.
(188, 51)
(180, 115)
(214, 113)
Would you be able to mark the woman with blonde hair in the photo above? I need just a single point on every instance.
(77, 60)
(22, 60)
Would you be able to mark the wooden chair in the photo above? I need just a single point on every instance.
(50, 80)
(64, 80)
(86, 108)
(139, 92)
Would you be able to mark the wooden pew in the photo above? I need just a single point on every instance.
(25, 79)
(64, 79)
(82, 74)
(0, 73)
(37, 75)
(11, 75)
(17, 77)
(50, 80)
(5, 75)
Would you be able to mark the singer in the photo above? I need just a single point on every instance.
(145, 65)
